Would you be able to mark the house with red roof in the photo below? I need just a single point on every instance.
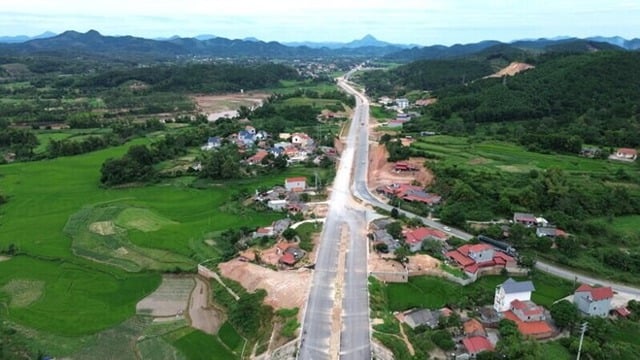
(407, 192)
(296, 184)
(301, 139)
(527, 310)
(626, 154)
(593, 301)
(258, 157)
(525, 219)
(472, 258)
(414, 238)
(473, 327)
(536, 329)
(264, 232)
(476, 344)
(287, 259)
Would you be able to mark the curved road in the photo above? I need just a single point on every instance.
(361, 190)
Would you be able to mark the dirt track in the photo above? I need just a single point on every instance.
(202, 315)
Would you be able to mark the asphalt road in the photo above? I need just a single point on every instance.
(316, 338)
(361, 190)
(355, 335)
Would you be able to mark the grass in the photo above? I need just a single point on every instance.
(395, 344)
(77, 299)
(509, 157)
(196, 345)
(433, 292)
(141, 219)
(82, 296)
(554, 350)
(381, 113)
(306, 232)
(314, 102)
(626, 225)
(230, 337)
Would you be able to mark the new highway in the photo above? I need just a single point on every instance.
(342, 285)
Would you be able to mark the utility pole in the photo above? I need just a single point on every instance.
(583, 329)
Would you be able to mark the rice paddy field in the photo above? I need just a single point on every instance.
(86, 255)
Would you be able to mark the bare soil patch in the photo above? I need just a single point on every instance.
(384, 263)
(204, 316)
(218, 106)
(285, 289)
(103, 228)
(478, 161)
(4, 258)
(170, 299)
(381, 171)
(512, 69)
(421, 262)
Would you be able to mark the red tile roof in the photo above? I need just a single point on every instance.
(473, 326)
(296, 179)
(622, 311)
(288, 259)
(627, 151)
(419, 234)
(479, 247)
(472, 269)
(527, 307)
(501, 258)
(532, 328)
(476, 344)
(461, 259)
(597, 293)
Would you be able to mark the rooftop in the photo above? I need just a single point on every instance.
(476, 344)
(511, 286)
(532, 328)
(597, 293)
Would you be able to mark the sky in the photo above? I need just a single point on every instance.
(423, 22)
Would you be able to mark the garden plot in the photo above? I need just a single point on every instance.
(170, 299)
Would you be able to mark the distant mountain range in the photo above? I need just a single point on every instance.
(129, 47)
(25, 38)
(367, 41)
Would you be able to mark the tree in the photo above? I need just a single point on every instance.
(394, 213)
(395, 229)
(289, 234)
(443, 340)
(401, 254)
(564, 314)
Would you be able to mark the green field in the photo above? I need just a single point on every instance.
(510, 157)
(554, 350)
(160, 226)
(320, 103)
(230, 337)
(433, 293)
(76, 298)
(196, 345)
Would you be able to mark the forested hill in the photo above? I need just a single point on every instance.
(595, 97)
(196, 77)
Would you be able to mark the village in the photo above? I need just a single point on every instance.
(279, 259)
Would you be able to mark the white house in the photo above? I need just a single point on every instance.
(593, 301)
(277, 205)
(402, 103)
(295, 184)
(511, 290)
(627, 154)
(301, 139)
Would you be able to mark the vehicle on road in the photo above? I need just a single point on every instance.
(446, 228)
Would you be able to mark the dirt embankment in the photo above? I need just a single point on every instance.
(381, 171)
(218, 106)
(285, 289)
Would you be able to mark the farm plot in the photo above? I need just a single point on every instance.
(23, 293)
(75, 299)
(170, 299)
(96, 236)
